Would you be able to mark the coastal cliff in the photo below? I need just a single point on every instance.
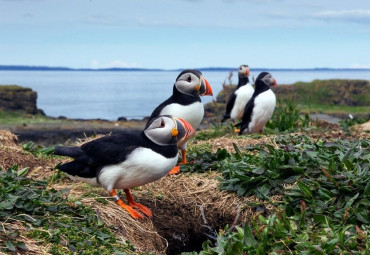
(14, 98)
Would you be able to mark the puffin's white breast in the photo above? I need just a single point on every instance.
(192, 113)
(142, 166)
(264, 105)
(243, 94)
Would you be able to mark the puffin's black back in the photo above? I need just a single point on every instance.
(231, 100)
(260, 87)
(108, 150)
(176, 98)
(229, 106)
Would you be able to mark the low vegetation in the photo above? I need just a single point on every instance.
(48, 217)
(324, 190)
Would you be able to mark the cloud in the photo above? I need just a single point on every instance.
(97, 19)
(358, 16)
(360, 66)
(95, 64)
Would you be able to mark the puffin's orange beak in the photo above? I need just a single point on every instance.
(274, 83)
(208, 87)
(247, 72)
(188, 128)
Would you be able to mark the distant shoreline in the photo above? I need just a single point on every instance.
(209, 69)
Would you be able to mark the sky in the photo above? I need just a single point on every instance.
(172, 34)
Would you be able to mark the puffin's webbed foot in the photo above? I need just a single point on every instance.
(176, 169)
(138, 206)
(134, 214)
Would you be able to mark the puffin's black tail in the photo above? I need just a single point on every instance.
(225, 117)
(69, 151)
(77, 168)
(80, 166)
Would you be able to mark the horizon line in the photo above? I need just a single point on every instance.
(59, 68)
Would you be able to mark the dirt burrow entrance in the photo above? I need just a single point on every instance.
(188, 209)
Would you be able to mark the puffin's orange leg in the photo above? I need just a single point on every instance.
(176, 169)
(134, 214)
(183, 153)
(138, 206)
(236, 130)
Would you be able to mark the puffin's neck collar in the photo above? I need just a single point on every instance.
(182, 97)
(243, 81)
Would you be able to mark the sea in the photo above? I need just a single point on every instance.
(132, 94)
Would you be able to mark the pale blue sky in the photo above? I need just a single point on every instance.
(173, 34)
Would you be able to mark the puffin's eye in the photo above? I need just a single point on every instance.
(189, 79)
(162, 123)
(240, 68)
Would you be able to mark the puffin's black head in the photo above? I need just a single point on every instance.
(191, 82)
(244, 71)
(265, 79)
(166, 130)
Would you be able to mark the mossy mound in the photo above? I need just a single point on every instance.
(329, 92)
(16, 98)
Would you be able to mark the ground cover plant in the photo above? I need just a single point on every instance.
(325, 190)
(49, 218)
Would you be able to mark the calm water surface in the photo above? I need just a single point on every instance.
(109, 95)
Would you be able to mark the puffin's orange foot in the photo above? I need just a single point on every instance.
(236, 130)
(141, 208)
(175, 170)
(134, 214)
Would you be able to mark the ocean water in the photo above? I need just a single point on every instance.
(130, 94)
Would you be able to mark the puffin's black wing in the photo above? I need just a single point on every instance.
(92, 156)
(247, 115)
(229, 106)
(112, 149)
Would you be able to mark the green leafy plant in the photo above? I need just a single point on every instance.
(38, 150)
(50, 218)
(325, 210)
(287, 117)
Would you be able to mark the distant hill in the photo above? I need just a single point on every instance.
(208, 69)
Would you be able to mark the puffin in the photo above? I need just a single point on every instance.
(127, 160)
(185, 103)
(239, 98)
(261, 106)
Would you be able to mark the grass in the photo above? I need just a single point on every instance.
(333, 109)
(20, 118)
(12, 87)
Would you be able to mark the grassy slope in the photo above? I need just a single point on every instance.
(320, 96)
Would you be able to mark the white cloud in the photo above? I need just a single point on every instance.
(97, 19)
(360, 66)
(360, 16)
